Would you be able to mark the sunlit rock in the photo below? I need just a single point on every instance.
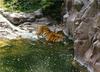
(38, 13)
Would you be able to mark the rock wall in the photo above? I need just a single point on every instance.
(84, 27)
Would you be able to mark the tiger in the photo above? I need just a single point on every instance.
(49, 35)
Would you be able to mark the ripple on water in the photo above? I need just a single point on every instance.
(20, 55)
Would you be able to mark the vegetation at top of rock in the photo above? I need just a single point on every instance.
(50, 8)
(22, 5)
(1, 3)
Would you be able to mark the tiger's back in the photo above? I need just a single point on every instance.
(54, 37)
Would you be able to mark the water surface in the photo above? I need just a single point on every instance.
(24, 55)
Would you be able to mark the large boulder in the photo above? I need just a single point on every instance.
(45, 20)
(18, 18)
(38, 13)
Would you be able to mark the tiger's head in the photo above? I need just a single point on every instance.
(41, 29)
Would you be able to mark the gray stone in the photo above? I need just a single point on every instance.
(38, 13)
(45, 20)
(18, 18)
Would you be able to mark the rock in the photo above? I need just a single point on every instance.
(21, 18)
(43, 20)
(69, 24)
(84, 26)
(27, 26)
(77, 1)
(38, 13)
(29, 17)
(78, 4)
(16, 21)
(18, 18)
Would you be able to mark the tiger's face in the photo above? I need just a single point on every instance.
(41, 29)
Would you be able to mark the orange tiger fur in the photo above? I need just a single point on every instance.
(49, 35)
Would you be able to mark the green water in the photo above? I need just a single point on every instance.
(23, 55)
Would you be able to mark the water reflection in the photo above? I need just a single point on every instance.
(23, 55)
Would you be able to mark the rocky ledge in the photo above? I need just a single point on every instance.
(22, 24)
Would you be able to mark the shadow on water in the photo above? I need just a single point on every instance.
(23, 55)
